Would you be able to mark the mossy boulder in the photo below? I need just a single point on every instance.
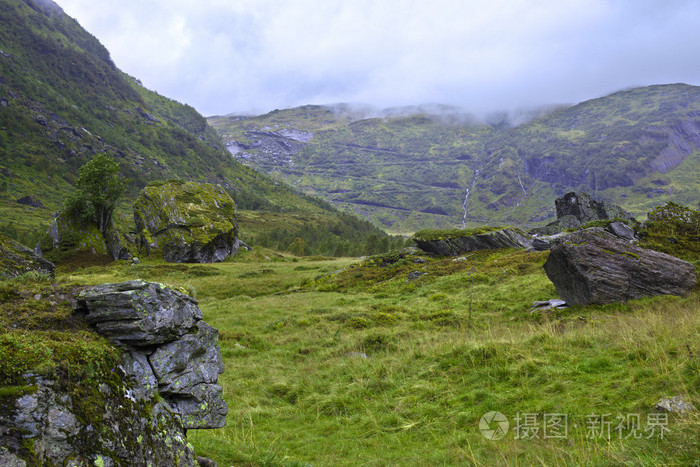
(16, 260)
(190, 222)
(69, 238)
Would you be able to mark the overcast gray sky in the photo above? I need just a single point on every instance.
(224, 56)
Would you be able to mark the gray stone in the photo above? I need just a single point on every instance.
(675, 404)
(169, 349)
(70, 236)
(62, 424)
(585, 209)
(415, 275)
(622, 230)
(136, 366)
(204, 407)
(7, 459)
(551, 304)
(569, 222)
(595, 267)
(540, 244)
(189, 361)
(205, 462)
(457, 244)
(139, 312)
(576, 208)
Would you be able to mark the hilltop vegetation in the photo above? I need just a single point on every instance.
(63, 100)
(428, 167)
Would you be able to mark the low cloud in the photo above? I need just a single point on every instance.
(257, 55)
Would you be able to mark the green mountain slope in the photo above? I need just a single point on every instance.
(432, 167)
(62, 100)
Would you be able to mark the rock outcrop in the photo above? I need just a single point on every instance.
(577, 208)
(16, 259)
(105, 426)
(584, 208)
(169, 345)
(593, 266)
(69, 237)
(190, 222)
(30, 201)
(135, 407)
(458, 242)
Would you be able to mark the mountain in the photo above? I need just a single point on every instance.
(62, 100)
(431, 166)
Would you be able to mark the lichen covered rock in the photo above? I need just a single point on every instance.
(190, 222)
(169, 347)
(593, 266)
(457, 242)
(139, 313)
(102, 424)
(16, 260)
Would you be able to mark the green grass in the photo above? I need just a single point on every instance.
(347, 362)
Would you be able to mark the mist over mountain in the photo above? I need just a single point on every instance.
(424, 166)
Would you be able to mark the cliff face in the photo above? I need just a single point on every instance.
(139, 412)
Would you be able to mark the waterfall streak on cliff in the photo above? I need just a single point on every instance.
(466, 197)
(521, 184)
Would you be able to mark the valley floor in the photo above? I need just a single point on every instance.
(367, 362)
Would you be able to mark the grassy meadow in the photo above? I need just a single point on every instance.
(394, 359)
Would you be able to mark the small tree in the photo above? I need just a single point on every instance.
(298, 247)
(98, 188)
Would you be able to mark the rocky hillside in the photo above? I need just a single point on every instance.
(432, 166)
(63, 100)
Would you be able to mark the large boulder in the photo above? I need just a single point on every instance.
(16, 259)
(593, 266)
(458, 242)
(190, 222)
(139, 313)
(577, 208)
(585, 209)
(169, 348)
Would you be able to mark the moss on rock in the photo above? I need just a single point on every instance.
(190, 222)
(68, 237)
(16, 260)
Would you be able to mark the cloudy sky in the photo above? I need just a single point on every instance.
(226, 56)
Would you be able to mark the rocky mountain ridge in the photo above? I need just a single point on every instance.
(635, 148)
